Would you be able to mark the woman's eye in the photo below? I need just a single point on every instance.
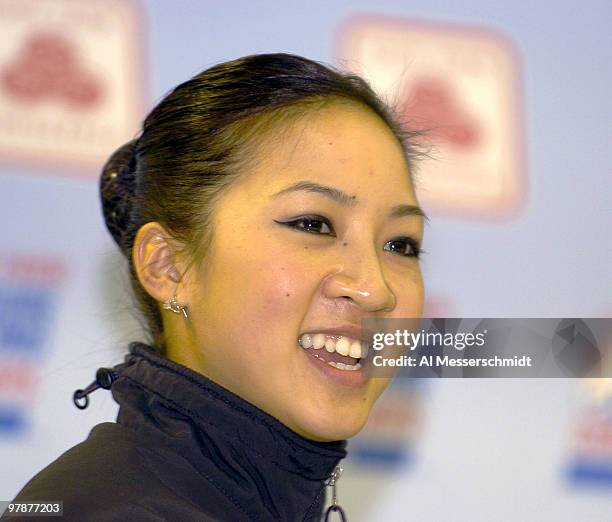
(404, 246)
(312, 224)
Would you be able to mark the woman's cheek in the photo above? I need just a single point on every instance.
(410, 294)
(285, 287)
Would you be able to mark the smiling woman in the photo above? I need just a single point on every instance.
(266, 209)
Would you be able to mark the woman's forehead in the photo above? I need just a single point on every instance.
(338, 145)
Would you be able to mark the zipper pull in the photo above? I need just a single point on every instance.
(335, 508)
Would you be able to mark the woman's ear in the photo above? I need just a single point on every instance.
(156, 261)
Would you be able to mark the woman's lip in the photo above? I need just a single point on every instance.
(343, 377)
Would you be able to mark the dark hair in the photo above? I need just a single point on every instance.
(195, 141)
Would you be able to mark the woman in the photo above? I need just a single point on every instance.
(266, 209)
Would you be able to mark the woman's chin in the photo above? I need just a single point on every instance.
(327, 429)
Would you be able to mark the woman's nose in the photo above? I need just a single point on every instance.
(362, 281)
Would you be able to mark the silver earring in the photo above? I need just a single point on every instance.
(173, 306)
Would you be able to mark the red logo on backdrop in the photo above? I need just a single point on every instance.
(71, 82)
(458, 88)
(47, 68)
(432, 106)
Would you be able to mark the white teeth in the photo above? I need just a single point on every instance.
(306, 341)
(355, 350)
(345, 367)
(318, 341)
(343, 346)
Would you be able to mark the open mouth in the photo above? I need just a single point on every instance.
(339, 351)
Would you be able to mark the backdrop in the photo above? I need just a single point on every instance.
(518, 188)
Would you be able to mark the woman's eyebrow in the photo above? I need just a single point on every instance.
(408, 210)
(344, 199)
(309, 186)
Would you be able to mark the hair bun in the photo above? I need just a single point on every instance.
(117, 184)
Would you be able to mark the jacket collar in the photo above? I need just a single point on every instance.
(272, 472)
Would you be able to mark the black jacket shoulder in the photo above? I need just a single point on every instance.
(111, 477)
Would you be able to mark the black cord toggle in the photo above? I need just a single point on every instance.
(104, 379)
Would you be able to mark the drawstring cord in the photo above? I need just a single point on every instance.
(105, 377)
(335, 507)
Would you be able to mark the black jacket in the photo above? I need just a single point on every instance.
(185, 449)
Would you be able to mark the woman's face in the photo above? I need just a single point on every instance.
(315, 237)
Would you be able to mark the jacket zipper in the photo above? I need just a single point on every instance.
(335, 507)
(331, 481)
